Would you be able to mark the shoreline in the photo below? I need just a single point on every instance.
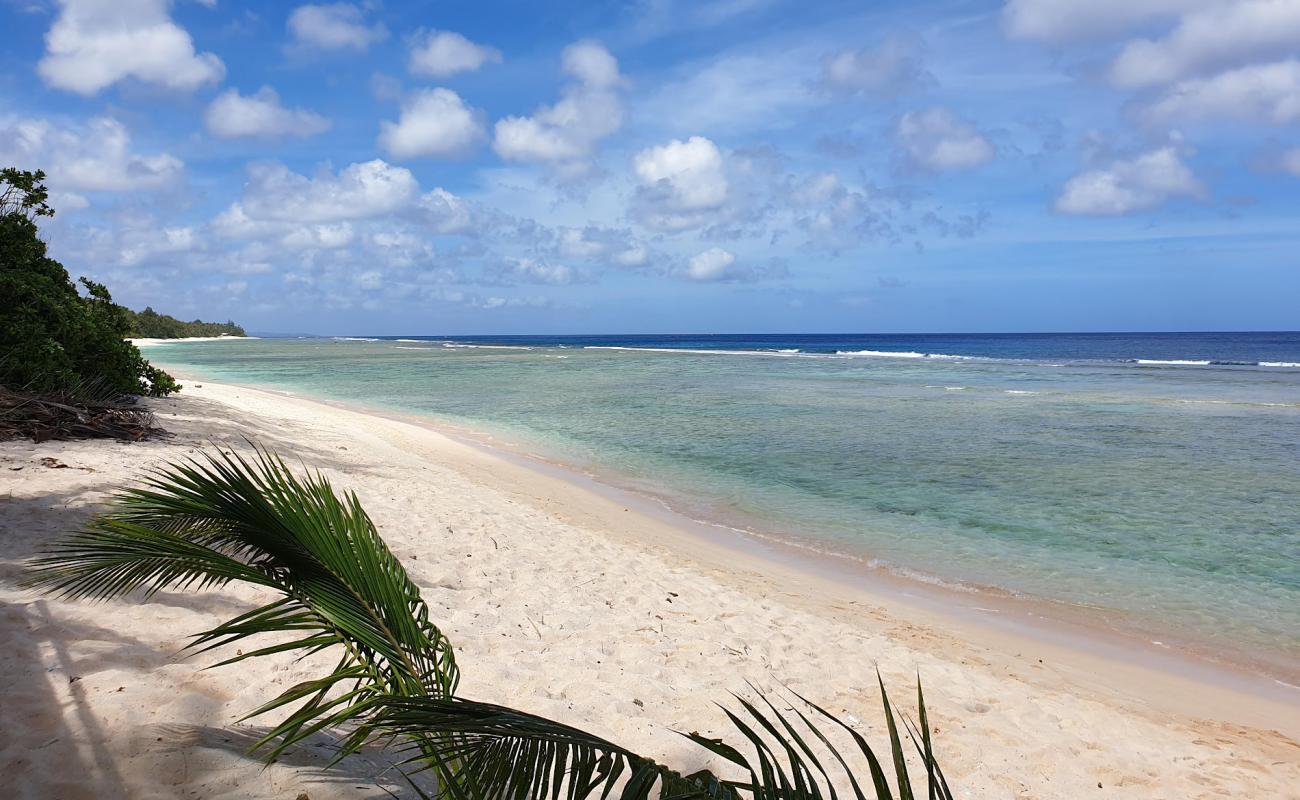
(572, 603)
(149, 342)
(1012, 623)
(1032, 618)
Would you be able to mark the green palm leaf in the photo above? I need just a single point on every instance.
(222, 518)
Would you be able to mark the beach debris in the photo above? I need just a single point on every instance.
(24, 415)
(53, 463)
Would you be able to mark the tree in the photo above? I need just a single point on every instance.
(53, 338)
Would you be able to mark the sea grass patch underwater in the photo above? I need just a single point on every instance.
(1157, 496)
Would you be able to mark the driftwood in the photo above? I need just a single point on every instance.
(24, 415)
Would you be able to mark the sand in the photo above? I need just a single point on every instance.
(147, 342)
(572, 603)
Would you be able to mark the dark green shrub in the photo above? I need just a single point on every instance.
(53, 338)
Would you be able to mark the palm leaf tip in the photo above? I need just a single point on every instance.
(222, 518)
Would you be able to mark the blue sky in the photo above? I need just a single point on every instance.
(662, 166)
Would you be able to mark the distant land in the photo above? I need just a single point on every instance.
(149, 324)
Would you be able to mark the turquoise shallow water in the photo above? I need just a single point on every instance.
(1162, 497)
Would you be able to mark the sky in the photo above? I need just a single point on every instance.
(660, 166)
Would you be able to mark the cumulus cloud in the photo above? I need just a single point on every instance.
(133, 237)
(433, 123)
(1210, 39)
(438, 54)
(569, 130)
(1125, 186)
(444, 212)
(605, 245)
(233, 115)
(710, 265)
(94, 157)
(369, 189)
(96, 43)
(1263, 92)
(830, 213)
(893, 67)
(371, 213)
(937, 140)
(681, 182)
(591, 63)
(334, 26)
(532, 270)
(1071, 20)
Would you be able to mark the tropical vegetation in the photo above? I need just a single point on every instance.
(149, 324)
(223, 519)
(54, 338)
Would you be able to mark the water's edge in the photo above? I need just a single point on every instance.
(1102, 632)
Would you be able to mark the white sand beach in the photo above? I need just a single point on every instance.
(147, 342)
(571, 603)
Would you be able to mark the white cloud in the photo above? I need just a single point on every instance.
(319, 237)
(434, 122)
(569, 130)
(711, 265)
(1125, 186)
(96, 43)
(937, 140)
(334, 26)
(1291, 161)
(403, 249)
(683, 176)
(591, 64)
(233, 115)
(1068, 20)
(1210, 39)
(1264, 92)
(137, 245)
(95, 157)
(739, 91)
(369, 280)
(594, 243)
(889, 69)
(531, 270)
(369, 189)
(441, 53)
(444, 212)
(832, 214)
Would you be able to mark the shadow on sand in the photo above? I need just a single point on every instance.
(59, 739)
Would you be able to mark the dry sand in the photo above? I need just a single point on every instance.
(147, 342)
(570, 603)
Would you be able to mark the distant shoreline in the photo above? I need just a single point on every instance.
(148, 342)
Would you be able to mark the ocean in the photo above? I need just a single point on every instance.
(1149, 480)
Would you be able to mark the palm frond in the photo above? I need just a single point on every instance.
(221, 518)
(502, 752)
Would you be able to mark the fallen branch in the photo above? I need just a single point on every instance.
(41, 418)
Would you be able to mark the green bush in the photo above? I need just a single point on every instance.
(149, 324)
(52, 337)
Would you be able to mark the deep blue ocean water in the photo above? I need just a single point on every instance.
(1149, 480)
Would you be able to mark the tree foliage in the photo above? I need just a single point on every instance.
(149, 324)
(54, 338)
